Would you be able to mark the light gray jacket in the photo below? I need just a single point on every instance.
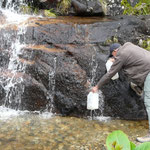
(133, 60)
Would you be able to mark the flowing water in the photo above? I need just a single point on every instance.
(24, 130)
(35, 131)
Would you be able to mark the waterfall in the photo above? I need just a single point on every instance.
(12, 79)
(12, 5)
(12, 44)
(94, 65)
(51, 91)
(14, 87)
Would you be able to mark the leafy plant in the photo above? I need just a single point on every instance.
(143, 146)
(26, 9)
(118, 140)
(64, 5)
(141, 8)
(49, 13)
(145, 43)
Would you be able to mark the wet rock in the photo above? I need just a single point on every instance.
(67, 56)
(87, 7)
(77, 7)
(68, 99)
(25, 94)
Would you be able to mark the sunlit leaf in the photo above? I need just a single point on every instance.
(118, 138)
(132, 146)
(143, 146)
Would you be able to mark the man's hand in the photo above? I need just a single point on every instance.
(94, 89)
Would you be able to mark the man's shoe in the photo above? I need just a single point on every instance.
(138, 90)
(144, 138)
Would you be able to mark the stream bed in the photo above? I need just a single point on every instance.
(35, 131)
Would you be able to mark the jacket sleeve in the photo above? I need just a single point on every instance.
(117, 65)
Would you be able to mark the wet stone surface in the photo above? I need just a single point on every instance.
(39, 132)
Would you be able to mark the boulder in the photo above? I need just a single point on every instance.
(63, 58)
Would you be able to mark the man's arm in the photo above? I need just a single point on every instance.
(117, 65)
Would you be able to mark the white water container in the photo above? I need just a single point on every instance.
(92, 101)
(108, 66)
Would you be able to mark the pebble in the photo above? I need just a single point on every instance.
(63, 133)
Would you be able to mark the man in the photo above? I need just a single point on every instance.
(135, 63)
(137, 89)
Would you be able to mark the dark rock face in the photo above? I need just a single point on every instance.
(114, 7)
(67, 93)
(66, 59)
(87, 7)
(77, 7)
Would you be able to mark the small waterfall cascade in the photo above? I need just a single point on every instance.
(11, 5)
(12, 84)
(14, 87)
(14, 45)
(11, 45)
(94, 66)
(51, 92)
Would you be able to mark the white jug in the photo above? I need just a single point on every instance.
(92, 101)
(108, 66)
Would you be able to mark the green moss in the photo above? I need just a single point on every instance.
(148, 45)
(145, 44)
(113, 39)
(26, 9)
(141, 8)
(63, 6)
(48, 13)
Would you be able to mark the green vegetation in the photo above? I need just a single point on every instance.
(118, 140)
(63, 6)
(49, 13)
(145, 44)
(26, 9)
(141, 8)
(111, 40)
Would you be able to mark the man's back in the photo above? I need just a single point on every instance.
(136, 62)
(133, 60)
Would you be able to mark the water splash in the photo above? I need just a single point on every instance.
(7, 113)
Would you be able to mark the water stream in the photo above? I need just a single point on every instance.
(34, 131)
